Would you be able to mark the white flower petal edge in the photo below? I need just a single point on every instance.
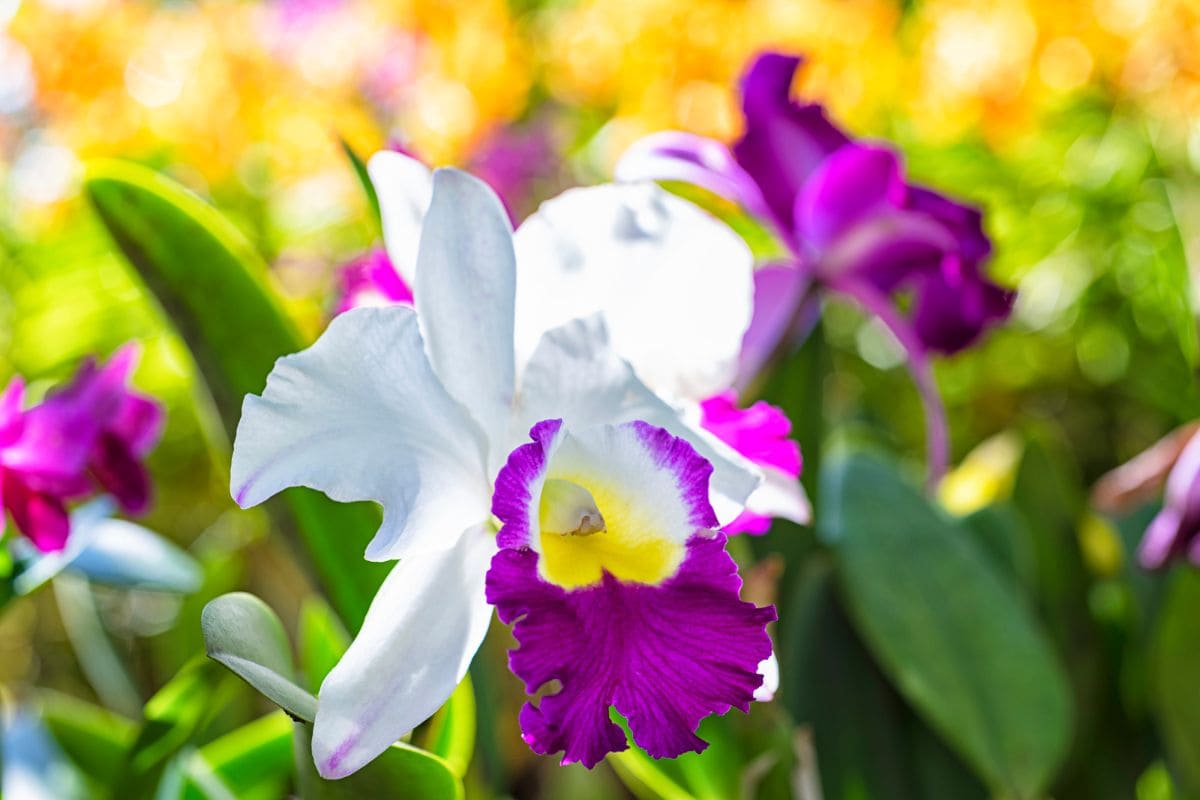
(675, 285)
(769, 669)
(465, 285)
(574, 375)
(360, 415)
(780, 495)
(419, 637)
(404, 187)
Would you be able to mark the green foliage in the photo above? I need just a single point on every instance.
(1176, 660)
(451, 733)
(215, 290)
(949, 631)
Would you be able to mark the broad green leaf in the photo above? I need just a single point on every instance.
(254, 761)
(451, 732)
(322, 641)
(402, 772)
(94, 738)
(172, 719)
(950, 632)
(242, 633)
(214, 288)
(1176, 668)
(867, 742)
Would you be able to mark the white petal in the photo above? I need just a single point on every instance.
(575, 376)
(404, 187)
(464, 296)
(415, 646)
(769, 669)
(675, 285)
(361, 416)
(780, 495)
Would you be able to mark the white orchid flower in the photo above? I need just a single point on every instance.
(417, 409)
(674, 286)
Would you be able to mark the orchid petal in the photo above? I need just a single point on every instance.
(674, 284)
(465, 286)
(419, 637)
(704, 162)
(360, 415)
(404, 186)
(780, 495)
(575, 375)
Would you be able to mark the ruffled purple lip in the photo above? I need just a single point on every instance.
(664, 655)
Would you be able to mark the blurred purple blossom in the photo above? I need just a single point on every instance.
(91, 434)
(851, 222)
(1175, 530)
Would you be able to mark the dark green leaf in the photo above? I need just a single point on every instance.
(949, 631)
(242, 633)
(1176, 668)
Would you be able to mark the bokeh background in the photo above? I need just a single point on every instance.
(1075, 124)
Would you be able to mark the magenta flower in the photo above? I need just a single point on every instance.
(372, 280)
(619, 589)
(91, 434)
(851, 221)
(760, 433)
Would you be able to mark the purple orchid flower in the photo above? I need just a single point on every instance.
(1175, 530)
(618, 587)
(852, 223)
(92, 433)
(372, 280)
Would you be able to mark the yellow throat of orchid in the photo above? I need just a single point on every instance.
(588, 528)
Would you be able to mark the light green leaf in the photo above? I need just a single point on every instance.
(364, 180)
(945, 626)
(322, 641)
(94, 738)
(215, 289)
(401, 772)
(254, 761)
(172, 719)
(242, 633)
(451, 733)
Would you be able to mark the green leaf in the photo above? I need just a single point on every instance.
(1176, 665)
(402, 772)
(214, 288)
(868, 743)
(254, 761)
(242, 633)
(172, 720)
(451, 733)
(364, 180)
(95, 739)
(946, 627)
(322, 641)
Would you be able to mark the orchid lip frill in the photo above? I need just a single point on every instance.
(850, 219)
(417, 408)
(619, 589)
